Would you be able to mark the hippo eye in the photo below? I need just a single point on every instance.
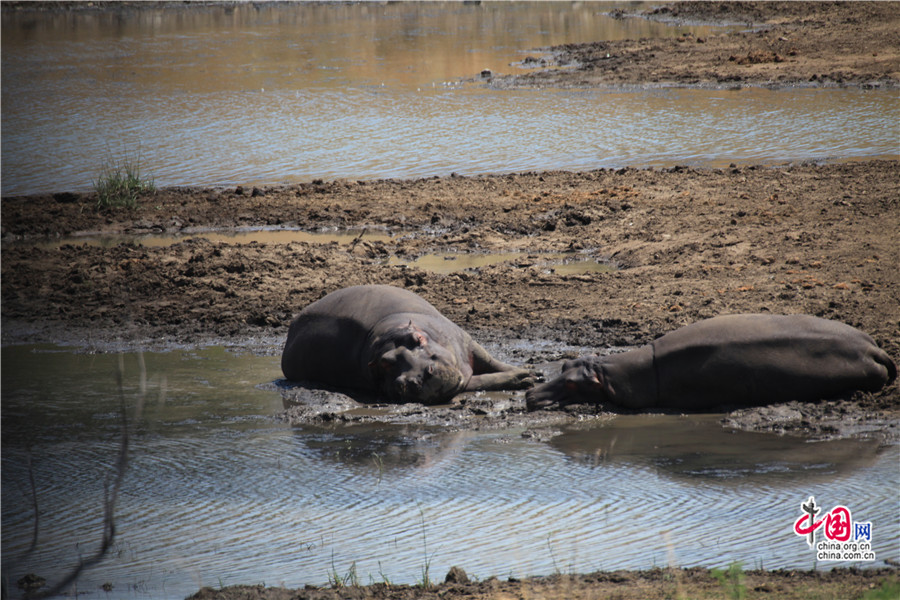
(429, 371)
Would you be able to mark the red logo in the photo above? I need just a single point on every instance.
(838, 523)
(844, 539)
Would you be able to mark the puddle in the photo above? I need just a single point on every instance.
(219, 493)
(452, 262)
(261, 236)
(447, 262)
(699, 447)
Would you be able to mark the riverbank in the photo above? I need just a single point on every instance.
(654, 584)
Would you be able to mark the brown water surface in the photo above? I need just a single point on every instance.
(272, 93)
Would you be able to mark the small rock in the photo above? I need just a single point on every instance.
(32, 582)
(456, 575)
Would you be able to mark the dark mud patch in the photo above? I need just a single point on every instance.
(865, 416)
(476, 411)
(862, 416)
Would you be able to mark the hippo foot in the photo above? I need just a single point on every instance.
(549, 396)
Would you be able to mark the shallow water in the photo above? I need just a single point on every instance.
(448, 262)
(272, 94)
(218, 492)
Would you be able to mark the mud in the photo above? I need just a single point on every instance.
(653, 584)
(685, 244)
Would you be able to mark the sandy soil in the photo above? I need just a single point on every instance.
(682, 243)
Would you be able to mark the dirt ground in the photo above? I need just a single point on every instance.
(681, 244)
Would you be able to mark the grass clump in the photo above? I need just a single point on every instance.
(338, 581)
(889, 590)
(120, 185)
(732, 580)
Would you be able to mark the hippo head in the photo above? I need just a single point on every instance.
(580, 382)
(417, 369)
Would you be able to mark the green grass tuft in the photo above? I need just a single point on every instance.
(889, 590)
(120, 185)
(732, 580)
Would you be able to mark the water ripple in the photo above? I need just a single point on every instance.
(233, 500)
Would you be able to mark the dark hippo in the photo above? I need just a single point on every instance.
(379, 338)
(748, 360)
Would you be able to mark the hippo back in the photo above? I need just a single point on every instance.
(762, 359)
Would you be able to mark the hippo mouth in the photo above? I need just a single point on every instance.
(437, 384)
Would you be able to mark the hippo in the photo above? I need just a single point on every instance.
(387, 340)
(744, 359)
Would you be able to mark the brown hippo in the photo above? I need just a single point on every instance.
(748, 360)
(383, 339)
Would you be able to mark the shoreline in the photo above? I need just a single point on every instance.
(650, 584)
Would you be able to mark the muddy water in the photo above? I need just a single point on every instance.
(218, 492)
(231, 236)
(270, 94)
(448, 262)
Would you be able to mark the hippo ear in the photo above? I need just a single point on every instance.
(419, 339)
(417, 335)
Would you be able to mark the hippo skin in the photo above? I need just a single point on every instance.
(747, 360)
(390, 341)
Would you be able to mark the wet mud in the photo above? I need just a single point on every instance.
(683, 244)
(653, 584)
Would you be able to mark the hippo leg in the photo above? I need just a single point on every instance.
(488, 373)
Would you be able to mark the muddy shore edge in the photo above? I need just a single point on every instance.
(676, 245)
